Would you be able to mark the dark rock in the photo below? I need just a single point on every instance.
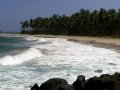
(116, 81)
(65, 87)
(105, 75)
(107, 82)
(104, 82)
(93, 83)
(99, 71)
(79, 83)
(116, 75)
(35, 87)
(56, 84)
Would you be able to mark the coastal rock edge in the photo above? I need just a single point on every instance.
(104, 82)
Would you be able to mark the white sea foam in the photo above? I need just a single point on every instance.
(61, 59)
(81, 59)
(27, 55)
(31, 38)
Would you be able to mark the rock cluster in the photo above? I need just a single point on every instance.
(104, 82)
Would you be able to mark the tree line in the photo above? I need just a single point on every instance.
(84, 23)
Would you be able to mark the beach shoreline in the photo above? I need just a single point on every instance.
(102, 42)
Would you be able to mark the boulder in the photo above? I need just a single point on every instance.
(104, 82)
(35, 87)
(116, 81)
(93, 83)
(79, 83)
(56, 84)
(107, 82)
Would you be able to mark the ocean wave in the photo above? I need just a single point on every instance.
(32, 38)
(27, 55)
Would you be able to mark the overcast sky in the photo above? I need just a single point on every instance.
(14, 11)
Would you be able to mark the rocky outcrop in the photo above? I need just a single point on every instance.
(104, 82)
(54, 84)
(35, 87)
(79, 83)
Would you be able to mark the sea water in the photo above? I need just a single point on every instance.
(35, 60)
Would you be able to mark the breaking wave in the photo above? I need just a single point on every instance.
(27, 55)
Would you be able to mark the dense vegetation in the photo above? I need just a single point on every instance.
(86, 23)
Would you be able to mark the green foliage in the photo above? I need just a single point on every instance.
(84, 23)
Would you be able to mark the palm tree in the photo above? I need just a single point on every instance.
(25, 26)
(95, 23)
